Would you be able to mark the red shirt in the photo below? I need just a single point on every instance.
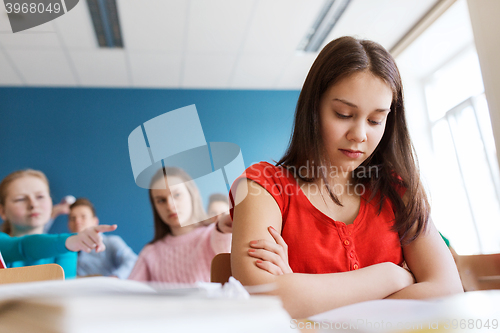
(318, 244)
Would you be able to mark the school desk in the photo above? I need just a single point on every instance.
(110, 305)
(105, 305)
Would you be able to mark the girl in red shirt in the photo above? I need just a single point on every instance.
(333, 221)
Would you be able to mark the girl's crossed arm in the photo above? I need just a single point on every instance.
(427, 257)
(303, 295)
(432, 264)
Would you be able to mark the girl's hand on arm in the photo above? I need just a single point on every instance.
(254, 212)
(272, 256)
(404, 276)
(224, 224)
(89, 239)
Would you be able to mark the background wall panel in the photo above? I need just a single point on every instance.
(78, 137)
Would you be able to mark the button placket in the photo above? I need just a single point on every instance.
(345, 233)
(351, 253)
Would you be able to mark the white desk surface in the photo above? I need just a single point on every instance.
(110, 305)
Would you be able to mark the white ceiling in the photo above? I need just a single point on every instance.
(208, 44)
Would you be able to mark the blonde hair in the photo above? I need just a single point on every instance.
(10, 178)
(198, 214)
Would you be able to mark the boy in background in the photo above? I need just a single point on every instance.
(117, 260)
(218, 203)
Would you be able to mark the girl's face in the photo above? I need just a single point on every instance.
(174, 204)
(217, 208)
(28, 203)
(353, 113)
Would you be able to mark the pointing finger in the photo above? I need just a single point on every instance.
(105, 228)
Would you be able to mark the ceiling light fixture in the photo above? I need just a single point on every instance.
(104, 15)
(328, 16)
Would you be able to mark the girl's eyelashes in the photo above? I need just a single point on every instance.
(373, 122)
(38, 197)
(345, 116)
(160, 200)
(342, 116)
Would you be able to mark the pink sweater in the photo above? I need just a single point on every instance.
(181, 259)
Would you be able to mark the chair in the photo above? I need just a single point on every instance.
(479, 272)
(220, 270)
(31, 273)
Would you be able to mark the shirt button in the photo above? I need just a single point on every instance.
(346, 242)
(351, 254)
(356, 266)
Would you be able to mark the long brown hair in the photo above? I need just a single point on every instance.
(161, 228)
(393, 159)
(7, 227)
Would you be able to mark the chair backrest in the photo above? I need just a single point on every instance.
(479, 272)
(220, 270)
(31, 273)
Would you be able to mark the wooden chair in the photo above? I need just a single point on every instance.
(479, 272)
(31, 273)
(220, 270)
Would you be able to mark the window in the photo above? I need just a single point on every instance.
(466, 197)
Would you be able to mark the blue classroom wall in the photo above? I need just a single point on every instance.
(79, 138)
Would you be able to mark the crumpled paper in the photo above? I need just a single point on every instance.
(232, 289)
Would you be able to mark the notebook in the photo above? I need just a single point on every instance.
(104, 305)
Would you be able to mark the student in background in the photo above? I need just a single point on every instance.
(27, 205)
(118, 259)
(333, 221)
(62, 208)
(217, 204)
(183, 245)
(25, 208)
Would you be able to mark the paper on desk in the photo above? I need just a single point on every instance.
(380, 315)
(231, 289)
(130, 306)
(140, 313)
(106, 285)
(83, 286)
